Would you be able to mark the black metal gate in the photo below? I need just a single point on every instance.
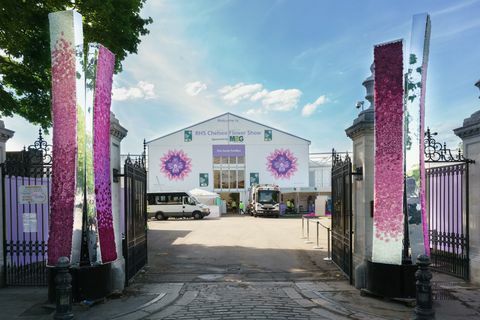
(135, 242)
(26, 186)
(447, 207)
(342, 213)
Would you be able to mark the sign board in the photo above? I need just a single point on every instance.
(203, 179)
(33, 194)
(227, 150)
(254, 178)
(268, 135)
(29, 222)
(187, 135)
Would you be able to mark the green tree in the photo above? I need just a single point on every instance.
(25, 75)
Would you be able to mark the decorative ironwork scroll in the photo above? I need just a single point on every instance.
(389, 174)
(68, 102)
(414, 133)
(437, 152)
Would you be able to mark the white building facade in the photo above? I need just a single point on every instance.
(227, 154)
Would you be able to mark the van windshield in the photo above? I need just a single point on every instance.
(194, 201)
(268, 196)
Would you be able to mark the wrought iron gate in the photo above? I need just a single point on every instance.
(135, 242)
(26, 186)
(342, 213)
(447, 207)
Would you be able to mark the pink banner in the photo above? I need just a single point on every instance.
(389, 171)
(101, 153)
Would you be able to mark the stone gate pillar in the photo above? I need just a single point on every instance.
(470, 135)
(5, 134)
(117, 133)
(362, 135)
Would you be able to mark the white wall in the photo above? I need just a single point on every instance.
(218, 131)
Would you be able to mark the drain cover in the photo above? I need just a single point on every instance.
(210, 277)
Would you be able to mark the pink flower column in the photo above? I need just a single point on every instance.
(65, 36)
(101, 153)
(389, 173)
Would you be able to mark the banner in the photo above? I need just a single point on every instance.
(389, 174)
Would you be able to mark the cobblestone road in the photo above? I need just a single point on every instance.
(242, 301)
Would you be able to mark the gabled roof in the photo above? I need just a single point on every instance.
(224, 114)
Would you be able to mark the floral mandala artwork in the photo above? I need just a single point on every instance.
(175, 165)
(282, 164)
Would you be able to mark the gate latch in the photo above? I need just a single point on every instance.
(358, 173)
(116, 175)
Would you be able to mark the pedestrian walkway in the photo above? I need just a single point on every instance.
(334, 299)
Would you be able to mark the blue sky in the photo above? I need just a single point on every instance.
(294, 65)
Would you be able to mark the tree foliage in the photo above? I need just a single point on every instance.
(25, 74)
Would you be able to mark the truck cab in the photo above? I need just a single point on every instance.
(265, 200)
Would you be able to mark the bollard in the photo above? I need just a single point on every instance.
(424, 307)
(303, 228)
(318, 244)
(329, 256)
(308, 231)
(63, 281)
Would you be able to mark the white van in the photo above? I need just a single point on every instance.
(163, 205)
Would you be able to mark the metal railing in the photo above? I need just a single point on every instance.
(307, 237)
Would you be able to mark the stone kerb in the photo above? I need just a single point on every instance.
(5, 135)
(117, 133)
(470, 135)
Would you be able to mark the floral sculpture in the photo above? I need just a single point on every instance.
(389, 175)
(282, 164)
(68, 105)
(81, 145)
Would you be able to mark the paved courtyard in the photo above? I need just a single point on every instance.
(242, 268)
(236, 248)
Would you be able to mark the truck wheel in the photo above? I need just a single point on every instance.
(197, 215)
(160, 216)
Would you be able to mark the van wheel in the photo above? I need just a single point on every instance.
(197, 215)
(160, 216)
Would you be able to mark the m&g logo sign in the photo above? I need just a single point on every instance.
(236, 138)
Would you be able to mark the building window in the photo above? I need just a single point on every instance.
(229, 172)
(216, 179)
(233, 179)
(241, 179)
(225, 179)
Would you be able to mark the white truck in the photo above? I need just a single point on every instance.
(265, 200)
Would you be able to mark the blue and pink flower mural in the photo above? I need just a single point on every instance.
(175, 165)
(282, 163)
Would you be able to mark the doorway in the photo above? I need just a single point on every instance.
(232, 200)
